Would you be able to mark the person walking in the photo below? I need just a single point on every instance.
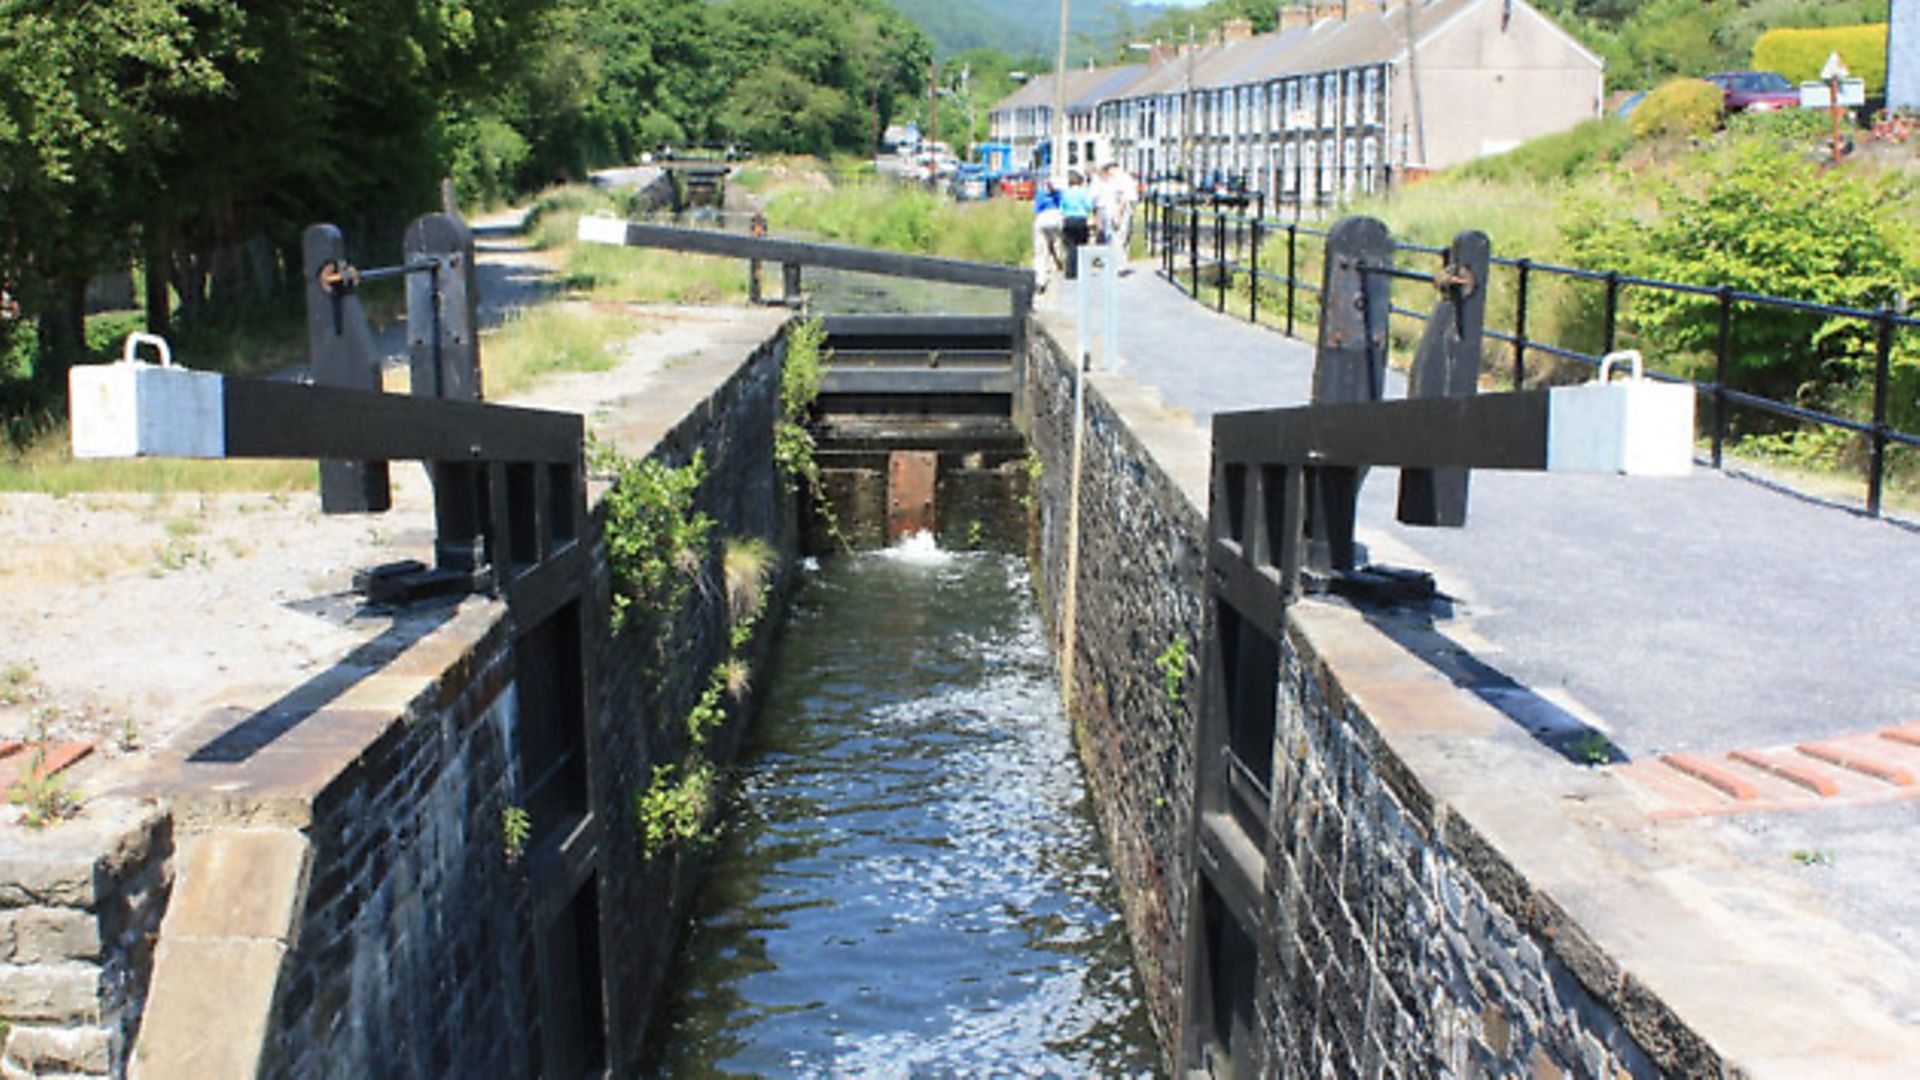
(1046, 234)
(1119, 192)
(1076, 215)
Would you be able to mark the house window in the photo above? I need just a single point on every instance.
(1349, 166)
(1310, 102)
(1289, 162)
(1370, 163)
(1372, 96)
(1309, 168)
(1329, 98)
(1352, 100)
(1328, 162)
(1292, 106)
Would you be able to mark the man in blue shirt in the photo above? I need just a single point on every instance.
(1076, 211)
(1046, 233)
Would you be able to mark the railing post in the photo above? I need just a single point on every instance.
(790, 294)
(1166, 236)
(1221, 273)
(1525, 266)
(1613, 311)
(1882, 363)
(1193, 250)
(1722, 357)
(1253, 273)
(758, 227)
(1293, 253)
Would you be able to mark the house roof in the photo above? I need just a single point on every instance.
(1104, 84)
(1086, 88)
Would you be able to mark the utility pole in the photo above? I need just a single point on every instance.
(1186, 116)
(933, 99)
(1058, 168)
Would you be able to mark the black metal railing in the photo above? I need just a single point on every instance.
(1211, 252)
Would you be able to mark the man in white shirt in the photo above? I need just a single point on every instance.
(1118, 192)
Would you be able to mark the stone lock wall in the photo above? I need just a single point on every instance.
(1394, 942)
(405, 957)
(325, 888)
(1393, 938)
(1139, 593)
(79, 908)
(420, 952)
(644, 695)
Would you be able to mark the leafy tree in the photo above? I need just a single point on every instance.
(813, 75)
(88, 94)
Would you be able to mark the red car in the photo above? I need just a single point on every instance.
(1755, 91)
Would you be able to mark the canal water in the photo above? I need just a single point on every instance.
(909, 882)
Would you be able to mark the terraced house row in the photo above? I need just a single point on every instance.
(1340, 98)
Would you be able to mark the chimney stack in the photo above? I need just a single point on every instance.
(1295, 16)
(1237, 30)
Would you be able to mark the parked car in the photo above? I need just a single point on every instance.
(970, 182)
(1755, 91)
(1020, 185)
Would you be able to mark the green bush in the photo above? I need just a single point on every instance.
(488, 159)
(18, 343)
(1800, 54)
(1678, 107)
(1796, 127)
(1765, 220)
(1561, 156)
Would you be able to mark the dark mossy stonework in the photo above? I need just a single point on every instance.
(424, 949)
(1140, 582)
(1392, 938)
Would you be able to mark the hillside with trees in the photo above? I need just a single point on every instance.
(193, 139)
(1021, 28)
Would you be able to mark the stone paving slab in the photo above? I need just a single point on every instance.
(21, 762)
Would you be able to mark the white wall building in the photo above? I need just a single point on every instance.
(1328, 106)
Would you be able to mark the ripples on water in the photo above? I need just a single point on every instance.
(910, 883)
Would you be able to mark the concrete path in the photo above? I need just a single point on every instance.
(1699, 613)
(1703, 614)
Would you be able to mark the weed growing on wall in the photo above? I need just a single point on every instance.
(676, 801)
(656, 540)
(1174, 663)
(1036, 471)
(801, 377)
(516, 825)
(674, 805)
(746, 565)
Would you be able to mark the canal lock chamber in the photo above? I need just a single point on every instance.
(909, 875)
